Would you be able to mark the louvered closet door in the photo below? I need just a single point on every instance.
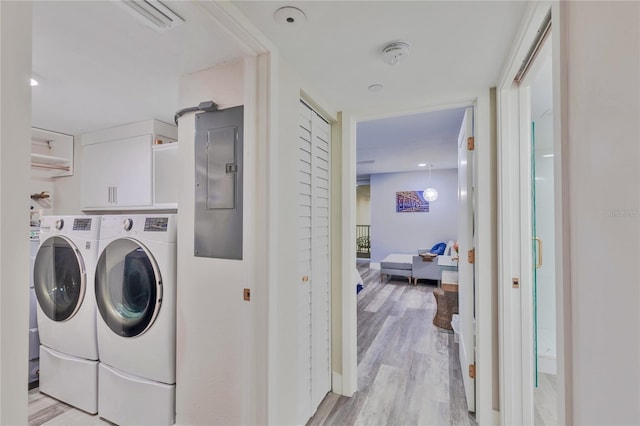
(305, 231)
(320, 303)
(313, 261)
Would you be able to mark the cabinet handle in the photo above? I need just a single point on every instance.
(115, 195)
(110, 196)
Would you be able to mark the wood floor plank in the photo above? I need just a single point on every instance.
(406, 406)
(380, 397)
(326, 407)
(373, 357)
(46, 414)
(380, 298)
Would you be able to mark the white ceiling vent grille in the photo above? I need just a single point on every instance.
(153, 13)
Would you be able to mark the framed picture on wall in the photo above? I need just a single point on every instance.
(411, 202)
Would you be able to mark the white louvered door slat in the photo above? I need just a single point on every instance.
(314, 259)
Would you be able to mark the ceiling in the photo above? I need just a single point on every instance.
(457, 48)
(400, 144)
(98, 66)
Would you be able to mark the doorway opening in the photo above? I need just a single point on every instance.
(532, 256)
(395, 160)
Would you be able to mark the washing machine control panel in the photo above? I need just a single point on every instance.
(59, 224)
(82, 224)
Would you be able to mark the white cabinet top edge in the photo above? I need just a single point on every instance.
(153, 126)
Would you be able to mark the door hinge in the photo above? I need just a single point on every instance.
(471, 143)
(471, 255)
(515, 282)
(472, 371)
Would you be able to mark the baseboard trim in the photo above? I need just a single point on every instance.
(336, 383)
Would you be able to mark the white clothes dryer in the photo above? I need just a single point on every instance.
(63, 273)
(135, 289)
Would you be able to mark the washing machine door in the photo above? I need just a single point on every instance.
(59, 278)
(128, 287)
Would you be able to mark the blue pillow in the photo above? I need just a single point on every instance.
(439, 249)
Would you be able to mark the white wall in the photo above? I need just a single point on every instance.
(363, 205)
(393, 232)
(602, 119)
(15, 134)
(212, 318)
(285, 386)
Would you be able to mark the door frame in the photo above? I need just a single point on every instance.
(514, 229)
(485, 270)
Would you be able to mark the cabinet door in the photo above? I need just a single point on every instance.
(117, 173)
(132, 171)
(97, 160)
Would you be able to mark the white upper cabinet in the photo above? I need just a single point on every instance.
(125, 168)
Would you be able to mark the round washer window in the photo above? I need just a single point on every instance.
(128, 288)
(59, 278)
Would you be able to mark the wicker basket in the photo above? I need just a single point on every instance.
(447, 305)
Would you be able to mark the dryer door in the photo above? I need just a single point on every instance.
(128, 287)
(59, 278)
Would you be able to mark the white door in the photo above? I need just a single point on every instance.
(466, 281)
(313, 259)
(320, 295)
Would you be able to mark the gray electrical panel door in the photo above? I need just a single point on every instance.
(218, 185)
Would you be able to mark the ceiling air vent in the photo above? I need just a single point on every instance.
(153, 13)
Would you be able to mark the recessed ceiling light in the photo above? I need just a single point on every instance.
(422, 165)
(34, 82)
(374, 88)
(289, 17)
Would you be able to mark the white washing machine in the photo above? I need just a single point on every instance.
(136, 299)
(63, 273)
(34, 339)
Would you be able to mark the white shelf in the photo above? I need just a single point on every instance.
(49, 159)
(51, 153)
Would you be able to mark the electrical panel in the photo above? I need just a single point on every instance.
(218, 184)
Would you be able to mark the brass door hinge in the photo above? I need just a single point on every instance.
(472, 371)
(471, 143)
(472, 255)
(515, 282)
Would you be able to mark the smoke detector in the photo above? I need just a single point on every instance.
(395, 52)
(290, 17)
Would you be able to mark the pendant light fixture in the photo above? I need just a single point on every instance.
(430, 194)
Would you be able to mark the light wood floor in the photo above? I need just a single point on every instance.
(408, 369)
(44, 410)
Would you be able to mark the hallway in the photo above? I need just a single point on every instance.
(408, 370)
